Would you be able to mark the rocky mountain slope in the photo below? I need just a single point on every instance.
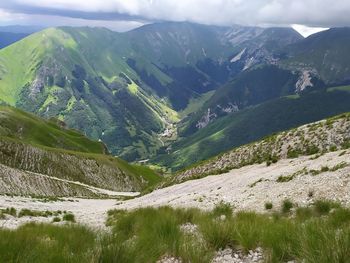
(302, 180)
(312, 139)
(41, 158)
(324, 55)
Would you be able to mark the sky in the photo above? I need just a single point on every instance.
(306, 16)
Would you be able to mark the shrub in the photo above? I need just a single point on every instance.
(333, 148)
(34, 213)
(323, 207)
(312, 149)
(346, 144)
(222, 209)
(292, 154)
(284, 179)
(69, 217)
(268, 205)
(287, 205)
(10, 211)
(56, 219)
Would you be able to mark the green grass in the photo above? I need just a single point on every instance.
(282, 237)
(195, 104)
(341, 88)
(287, 205)
(149, 234)
(47, 243)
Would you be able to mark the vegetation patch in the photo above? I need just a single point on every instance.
(287, 178)
(268, 205)
(69, 217)
(313, 234)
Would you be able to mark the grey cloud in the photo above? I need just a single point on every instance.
(326, 13)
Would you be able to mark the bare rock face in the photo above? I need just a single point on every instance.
(206, 119)
(304, 81)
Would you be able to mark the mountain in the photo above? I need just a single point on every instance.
(128, 89)
(44, 158)
(20, 29)
(303, 70)
(60, 73)
(12, 34)
(7, 39)
(325, 55)
(254, 123)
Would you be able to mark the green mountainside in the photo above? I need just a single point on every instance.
(140, 92)
(60, 73)
(27, 128)
(45, 158)
(254, 123)
(126, 89)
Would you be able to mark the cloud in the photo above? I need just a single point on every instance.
(319, 13)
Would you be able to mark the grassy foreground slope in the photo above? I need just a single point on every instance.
(254, 123)
(308, 234)
(37, 147)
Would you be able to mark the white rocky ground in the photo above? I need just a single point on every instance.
(248, 188)
(245, 188)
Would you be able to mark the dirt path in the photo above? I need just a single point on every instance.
(92, 188)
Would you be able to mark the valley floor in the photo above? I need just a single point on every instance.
(302, 180)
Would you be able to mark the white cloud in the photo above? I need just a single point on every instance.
(315, 13)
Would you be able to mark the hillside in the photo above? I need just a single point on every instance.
(253, 123)
(60, 74)
(128, 89)
(41, 158)
(28, 128)
(312, 139)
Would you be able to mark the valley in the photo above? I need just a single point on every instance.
(174, 142)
